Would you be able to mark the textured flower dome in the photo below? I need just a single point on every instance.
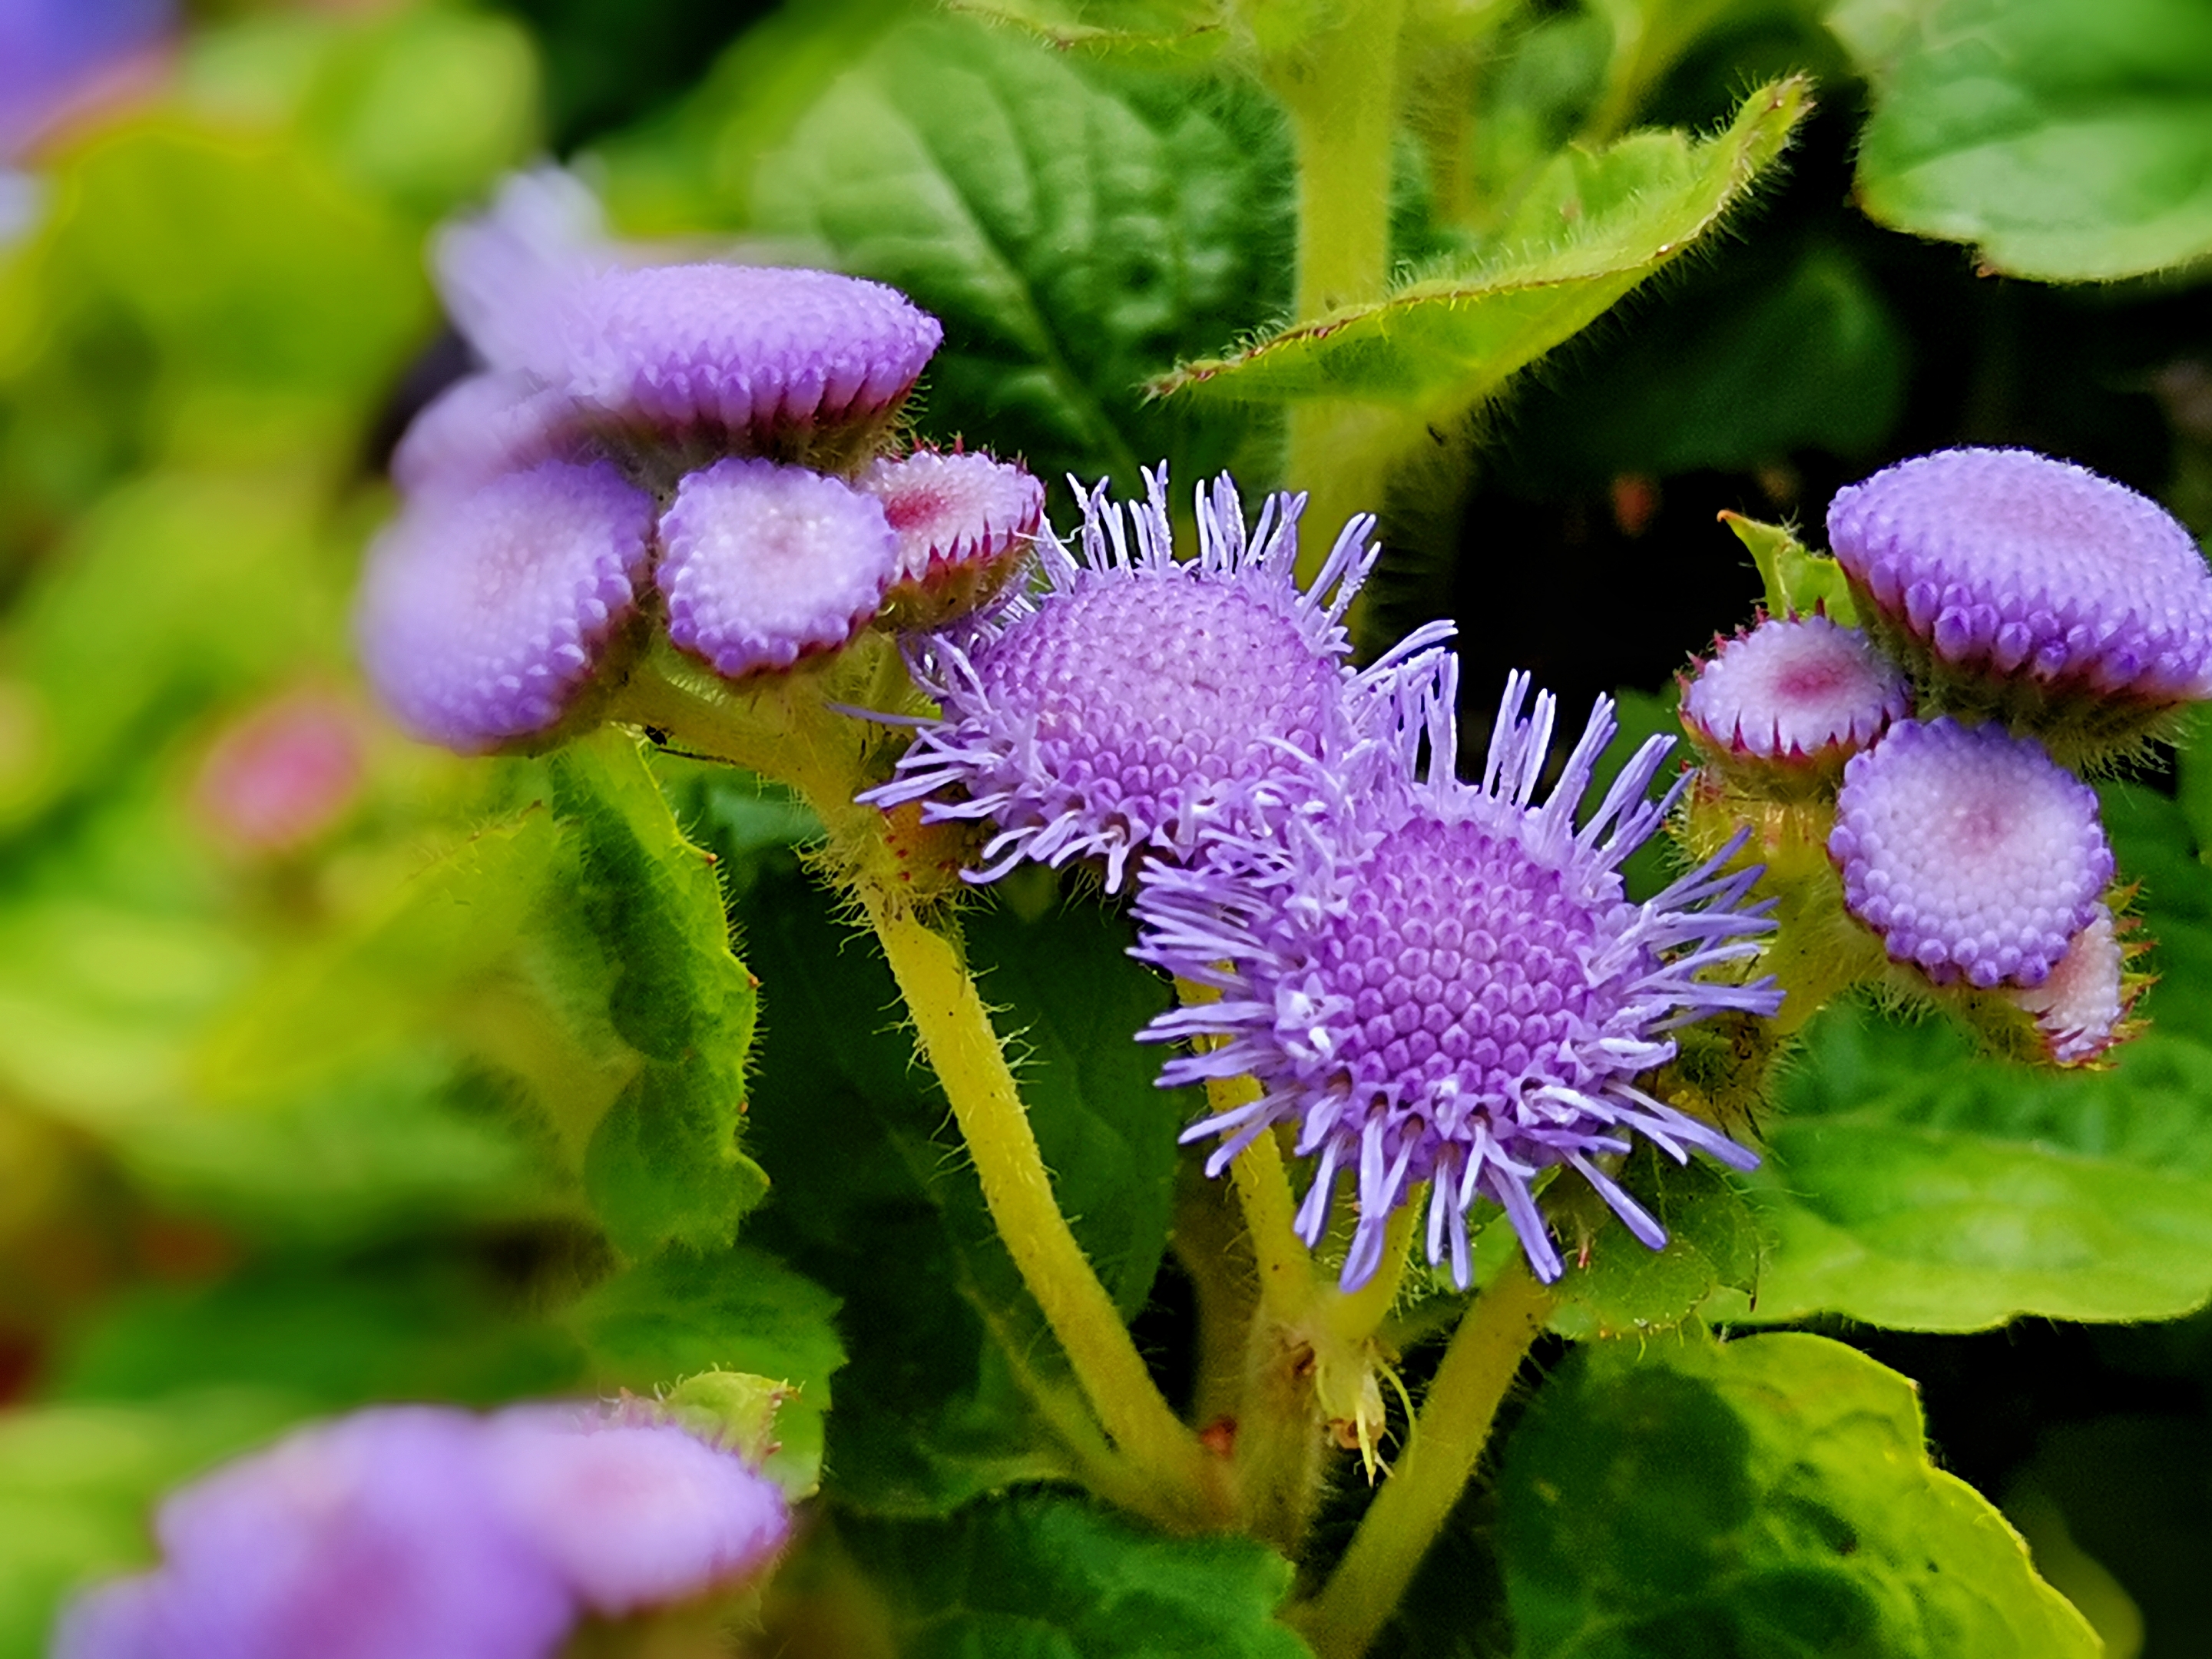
(2007, 562)
(1446, 983)
(480, 426)
(481, 616)
(964, 523)
(764, 564)
(1970, 852)
(1794, 690)
(2080, 1008)
(744, 348)
(1139, 701)
(430, 1533)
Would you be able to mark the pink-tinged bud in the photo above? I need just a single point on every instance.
(485, 618)
(966, 524)
(1786, 703)
(633, 1514)
(2033, 589)
(283, 774)
(2083, 1008)
(766, 564)
(1970, 852)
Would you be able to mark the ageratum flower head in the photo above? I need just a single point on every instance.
(485, 618)
(2030, 577)
(1139, 701)
(1446, 983)
(1970, 851)
(2081, 1010)
(965, 524)
(1792, 696)
(681, 362)
(430, 1533)
(765, 564)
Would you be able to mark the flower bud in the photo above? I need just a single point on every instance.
(1779, 710)
(966, 524)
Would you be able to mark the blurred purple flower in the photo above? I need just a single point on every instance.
(766, 564)
(1139, 701)
(428, 1532)
(2008, 565)
(1446, 983)
(483, 617)
(1970, 852)
(55, 53)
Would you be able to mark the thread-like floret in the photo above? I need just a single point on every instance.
(426, 1531)
(966, 524)
(1794, 690)
(1139, 701)
(1446, 983)
(481, 616)
(2009, 565)
(1970, 852)
(764, 564)
(2080, 1007)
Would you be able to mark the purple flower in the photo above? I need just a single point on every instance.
(1970, 852)
(481, 426)
(57, 54)
(1139, 701)
(631, 1514)
(2081, 1010)
(373, 1537)
(965, 524)
(765, 564)
(426, 1532)
(2008, 565)
(737, 358)
(1793, 691)
(1445, 982)
(482, 617)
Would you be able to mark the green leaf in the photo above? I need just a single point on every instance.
(1592, 228)
(76, 1484)
(1772, 1495)
(1911, 1182)
(954, 1387)
(663, 1163)
(1798, 581)
(1617, 1285)
(740, 1311)
(1153, 33)
(1048, 1576)
(2069, 139)
(1076, 228)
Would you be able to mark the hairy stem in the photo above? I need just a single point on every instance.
(1446, 1442)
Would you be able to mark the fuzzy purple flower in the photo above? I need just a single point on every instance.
(428, 1532)
(2008, 565)
(1445, 983)
(741, 357)
(483, 618)
(1139, 701)
(481, 426)
(765, 564)
(2082, 1009)
(1797, 692)
(1970, 852)
(966, 524)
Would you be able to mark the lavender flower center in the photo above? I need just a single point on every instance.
(1140, 694)
(1458, 958)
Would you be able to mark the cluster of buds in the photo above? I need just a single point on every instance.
(426, 1529)
(706, 452)
(2026, 619)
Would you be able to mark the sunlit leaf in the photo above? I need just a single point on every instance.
(2069, 139)
(1592, 228)
(1772, 1495)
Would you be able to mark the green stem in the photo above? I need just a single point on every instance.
(1441, 1453)
(1340, 88)
(820, 754)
